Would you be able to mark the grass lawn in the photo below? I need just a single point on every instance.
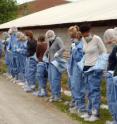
(3, 67)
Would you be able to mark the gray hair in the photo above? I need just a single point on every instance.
(50, 34)
(5, 35)
(12, 29)
(109, 35)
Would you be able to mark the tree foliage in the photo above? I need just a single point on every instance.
(8, 10)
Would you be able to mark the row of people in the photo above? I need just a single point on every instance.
(29, 61)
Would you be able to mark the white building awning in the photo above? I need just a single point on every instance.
(81, 11)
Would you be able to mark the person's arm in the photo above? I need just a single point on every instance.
(112, 59)
(61, 46)
(77, 53)
(102, 48)
(47, 51)
(9, 45)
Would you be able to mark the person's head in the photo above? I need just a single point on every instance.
(29, 35)
(110, 36)
(85, 30)
(5, 35)
(12, 30)
(50, 35)
(74, 32)
(21, 36)
(41, 38)
(115, 30)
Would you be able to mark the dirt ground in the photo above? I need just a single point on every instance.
(17, 107)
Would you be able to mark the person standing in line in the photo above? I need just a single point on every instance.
(93, 48)
(1, 51)
(31, 63)
(110, 38)
(12, 46)
(41, 67)
(5, 41)
(54, 52)
(22, 53)
(77, 85)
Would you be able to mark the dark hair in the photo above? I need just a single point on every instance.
(41, 38)
(29, 34)
(85, 28)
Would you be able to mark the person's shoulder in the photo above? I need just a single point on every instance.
(58, 38)
(80, 44)
(97, 37)
(42, 44)
(115, 48)
(34, 40)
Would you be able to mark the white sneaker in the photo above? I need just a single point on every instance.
(5, 74)
(28, 89)
(33, 87)
(9, 77)
(14, 81)
(20, 83)
(55, 99)
(73, 110)
(92, 118)
(72, 104)
(111, 122)
(84, 115)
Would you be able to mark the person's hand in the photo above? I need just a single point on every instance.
(56, 55)
(18, 50)
(45, 59)
(8, 50)
(73, 45)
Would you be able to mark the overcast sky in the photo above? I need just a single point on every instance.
(22, 1)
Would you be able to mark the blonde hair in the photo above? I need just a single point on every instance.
(74, 31)
(21, 36)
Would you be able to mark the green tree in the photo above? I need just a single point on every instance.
(8, 10)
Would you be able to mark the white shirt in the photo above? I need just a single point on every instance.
(93, 49)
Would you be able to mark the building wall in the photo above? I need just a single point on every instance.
(62, 32)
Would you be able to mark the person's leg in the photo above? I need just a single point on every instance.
(11, 65)
(72, 102)
(26, 69)
(22, 71)
(55, 81)
(94, 94)
(112, 96)
(42, 79)
(15, 66)
(78, 89)
(114, 108)
(22, 64)
(31, 75)
(32, 72)
(8, 61)
(109, 91)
